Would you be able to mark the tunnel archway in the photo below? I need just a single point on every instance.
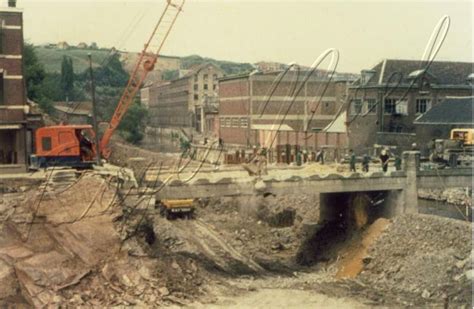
(342, 215)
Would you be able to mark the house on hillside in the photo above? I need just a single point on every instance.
(82, 45)
(266, 66)
(384, 102)
(63, 45)
(437, 123)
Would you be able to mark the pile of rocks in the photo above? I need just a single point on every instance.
(456, 196)
(426, 257)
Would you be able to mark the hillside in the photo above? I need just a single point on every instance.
(229, 67)
(51, 58)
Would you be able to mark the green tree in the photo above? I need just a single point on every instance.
(170, 74)
(35, 75)
(132, 126)
(112, 74)
(67, 78)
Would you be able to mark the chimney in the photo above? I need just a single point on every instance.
(12, 3)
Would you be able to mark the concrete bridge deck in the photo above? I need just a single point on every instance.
(403, 185)
(199, 187)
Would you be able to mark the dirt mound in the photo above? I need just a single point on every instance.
(52, 240)
(71, 248)
(425, 257)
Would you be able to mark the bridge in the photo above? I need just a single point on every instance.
(394, 193)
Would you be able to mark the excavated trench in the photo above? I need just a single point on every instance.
(344, 217)
(210, 239)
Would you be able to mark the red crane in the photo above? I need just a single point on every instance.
(145, 63)
(73, 145)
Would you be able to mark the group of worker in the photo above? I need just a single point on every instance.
(384, 158)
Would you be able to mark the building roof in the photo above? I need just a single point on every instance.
(72, 111)
(317, 75)
(338, 125)
(440, 72)
(198, 67)
(452, 111)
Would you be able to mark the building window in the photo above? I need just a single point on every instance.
(390, 106)
(227, 122)
(422, 105)
(205, 87)
(195, 87)
(46, 143)
(196, 97)
(402, 107)
(214, 87)
(222, 122)
(205, 76)
(396, 106)
(371, 106)
(356, 105)
(195, 78)
(244, 122)
(235, 122)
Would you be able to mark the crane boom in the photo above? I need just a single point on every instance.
(145, 63)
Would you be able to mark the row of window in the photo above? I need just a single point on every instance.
(367, 107)
(391, 106)
(205, 77)
(205, 87)
(234, 122)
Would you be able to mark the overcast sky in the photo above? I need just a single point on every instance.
(364, 32)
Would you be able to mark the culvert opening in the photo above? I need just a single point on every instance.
(343, 219)
(146, 231)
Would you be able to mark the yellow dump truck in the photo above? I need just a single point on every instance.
(171, 209)
(457, 150)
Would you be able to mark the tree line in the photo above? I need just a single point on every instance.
(45, 88)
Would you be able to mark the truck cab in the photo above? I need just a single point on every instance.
(464, 135)
(64, 145)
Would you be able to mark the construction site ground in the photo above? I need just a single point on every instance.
(87, 238)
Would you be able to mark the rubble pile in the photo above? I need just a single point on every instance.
(62, 245)
(456, 196)
(425, 257)
(267, 229)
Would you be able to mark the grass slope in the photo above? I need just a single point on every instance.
(52, 58)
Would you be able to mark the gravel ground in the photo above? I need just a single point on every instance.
(424, 257)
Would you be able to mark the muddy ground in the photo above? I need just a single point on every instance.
(87, 243)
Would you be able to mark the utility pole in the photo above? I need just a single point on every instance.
(94, 112)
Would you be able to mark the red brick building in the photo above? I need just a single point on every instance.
(249, 116)
(13, 104)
